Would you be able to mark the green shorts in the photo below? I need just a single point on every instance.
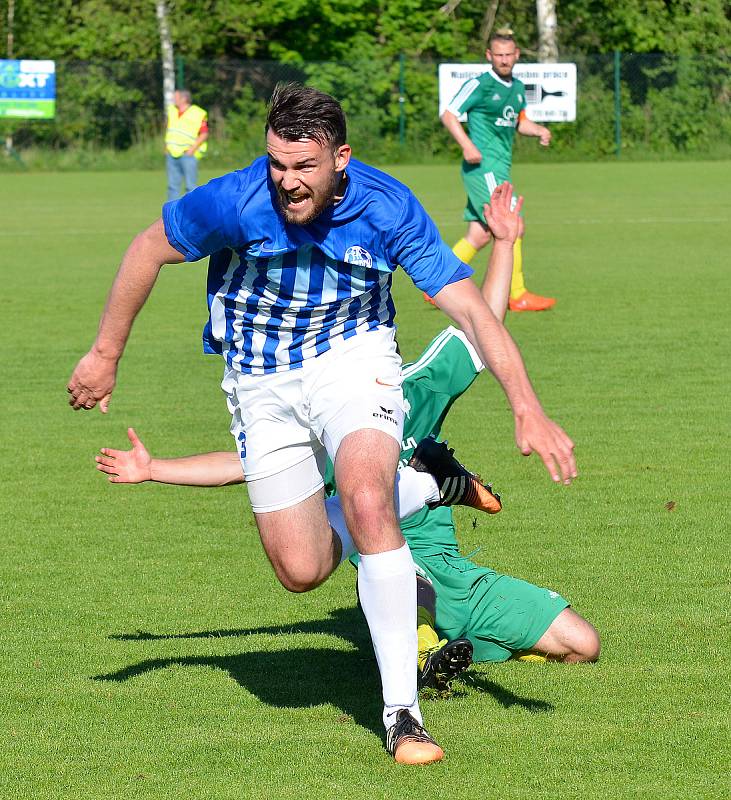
(480, 181)
(498, 614)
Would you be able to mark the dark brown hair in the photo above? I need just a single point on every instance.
(301, 112)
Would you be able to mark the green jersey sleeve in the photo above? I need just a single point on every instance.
(467, 98)
(431, 384)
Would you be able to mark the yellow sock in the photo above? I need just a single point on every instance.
(537, 658)
(517, 283)
(464, 251)
(425, 634)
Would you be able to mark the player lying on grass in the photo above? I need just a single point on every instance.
(465, 610)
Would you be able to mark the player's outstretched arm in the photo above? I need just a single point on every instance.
(527, 127)
(504, 223)
(93, 379)
(469, 151)
(534, 431)
(137, 465)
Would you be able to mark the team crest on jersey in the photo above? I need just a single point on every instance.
(359, 256)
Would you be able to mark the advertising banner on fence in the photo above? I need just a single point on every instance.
(550, 89)
(27, 89)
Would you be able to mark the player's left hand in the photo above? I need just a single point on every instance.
(126, 466)
(545, 137)
(536, 433)
(501, 217)
(92, 382)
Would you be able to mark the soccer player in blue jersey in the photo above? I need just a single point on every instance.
(303, 244)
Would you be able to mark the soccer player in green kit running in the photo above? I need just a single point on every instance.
(466, 612)
(495, 107)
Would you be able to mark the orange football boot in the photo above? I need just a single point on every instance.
(428, 299)
(410, 743)
(531, 302)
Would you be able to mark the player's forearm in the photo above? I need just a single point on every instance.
(131, 288)
(463, 303)
(500, 353)
(527, 127)
(495, 287)
(454, 126)
(203, 469)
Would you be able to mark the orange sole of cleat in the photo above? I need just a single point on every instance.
(486, 500)
(428, 299)
(411, 752)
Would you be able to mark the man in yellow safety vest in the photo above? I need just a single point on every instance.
(185, 143)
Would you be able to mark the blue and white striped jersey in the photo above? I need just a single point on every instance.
(280, 293)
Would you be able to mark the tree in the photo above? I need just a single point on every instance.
(547, 28)
(166, 49)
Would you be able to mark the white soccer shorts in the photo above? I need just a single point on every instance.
(285, 423)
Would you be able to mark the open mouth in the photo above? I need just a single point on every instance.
(293, 202)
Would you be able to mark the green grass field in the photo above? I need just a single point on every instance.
(147, 650)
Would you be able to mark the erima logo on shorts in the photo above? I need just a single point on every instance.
(359, 256)
(385, 413)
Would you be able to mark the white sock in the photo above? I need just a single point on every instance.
(387, 591)
(334, 510)
(413, 491)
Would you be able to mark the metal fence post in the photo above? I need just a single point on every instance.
(617, 105)
(180, 63)
(402, 100)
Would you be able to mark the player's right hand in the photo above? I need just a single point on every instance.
(126, 466)
(536, 433)
(471, 154)
(501, 216)
(92, 382)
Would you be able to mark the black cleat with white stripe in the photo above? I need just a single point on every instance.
(457, 485)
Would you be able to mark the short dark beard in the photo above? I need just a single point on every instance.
(317, 207)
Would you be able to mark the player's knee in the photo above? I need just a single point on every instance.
(298, 578)
(586, 645)
(368, 508)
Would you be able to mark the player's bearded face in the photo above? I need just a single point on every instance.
(306, 175)
(502, 56)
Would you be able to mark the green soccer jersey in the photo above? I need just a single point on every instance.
(445, 370)
(493, 106)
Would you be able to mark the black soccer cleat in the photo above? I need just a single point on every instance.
(444, 663)
(410, 743)
(457, 485)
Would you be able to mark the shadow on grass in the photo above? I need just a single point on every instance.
(345, 623)
(292, 678)
(505, 697)
(306, 677)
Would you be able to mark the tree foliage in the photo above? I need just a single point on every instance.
(233, 51)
